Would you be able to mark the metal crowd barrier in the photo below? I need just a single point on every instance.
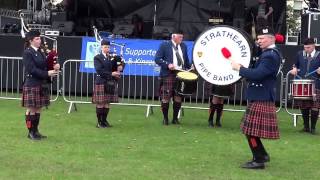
(12, 78)
(137, 89)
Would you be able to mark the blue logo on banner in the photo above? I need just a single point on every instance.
(140, 53)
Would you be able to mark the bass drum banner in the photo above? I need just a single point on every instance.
(215, 48)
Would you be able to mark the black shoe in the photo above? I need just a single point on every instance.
(253, 165)
(40, 135)
(266, 158)
(33, 136)
(175, 121)
(305, 130)
(313, 131)
(218, 124)
(165, 122)
(101, 125)
(107, 124)
(211, 125)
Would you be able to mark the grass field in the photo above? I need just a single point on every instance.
(141, 148)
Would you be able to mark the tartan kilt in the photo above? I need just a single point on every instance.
(32, 97)
(218, 91)
(308, 104)
(101, 97)
(260, 120)
(167, 86)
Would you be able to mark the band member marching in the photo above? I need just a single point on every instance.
(106, 84)
(260, 120)
(171, 55)
(35, 93)
(307, 66)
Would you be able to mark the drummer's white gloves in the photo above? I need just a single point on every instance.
(318, 70)
(235, 66)
(171, 66)
(294, 71)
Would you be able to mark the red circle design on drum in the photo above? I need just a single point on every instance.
(215, 48)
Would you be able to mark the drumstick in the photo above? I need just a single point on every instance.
(299, 77)
(311, 73)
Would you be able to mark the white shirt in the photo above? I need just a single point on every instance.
(36, 49)
(271, 46)
(175, 61)
(312, 53)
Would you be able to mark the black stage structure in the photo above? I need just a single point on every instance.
(190, 15)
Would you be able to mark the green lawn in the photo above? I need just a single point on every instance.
(141, 148)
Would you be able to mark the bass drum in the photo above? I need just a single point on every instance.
(222, 91)
(215, 48)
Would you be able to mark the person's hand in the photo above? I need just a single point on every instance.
(192, 67)
(294, 71)
(318, 70)
(116, 74)
(265, 17)
(56, 67)
(235, 66)
(119, 68)
(171, 66)
(53, 73)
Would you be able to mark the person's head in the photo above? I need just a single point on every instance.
(105, 46)
(265, 37)
(33, 38)
(177, 37)
(309, 45)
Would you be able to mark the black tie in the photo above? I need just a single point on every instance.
(179, 59)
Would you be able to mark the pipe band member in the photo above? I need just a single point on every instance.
(35, 94)
(260, 119)
(106, 84)
(171, 56)
(308, 61)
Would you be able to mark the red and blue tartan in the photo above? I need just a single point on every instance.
(101, 97)
(260, 120)
(308, 104)
(167, 87)
(33, 98)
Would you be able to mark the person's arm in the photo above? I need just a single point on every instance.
(32, 69)
(159, 58)
(266, 68)
(99, 69)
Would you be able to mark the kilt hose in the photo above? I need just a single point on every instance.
(260, 120)
(308, 104)
(33, 97)
(101, 97)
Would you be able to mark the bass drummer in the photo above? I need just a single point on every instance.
(260, 119)
(171, 57)
(218, 93)
(307, 66)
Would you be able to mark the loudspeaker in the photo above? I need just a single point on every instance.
(310, 26)
(160, 32)
(63, 26)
